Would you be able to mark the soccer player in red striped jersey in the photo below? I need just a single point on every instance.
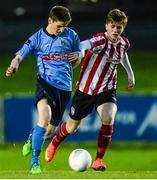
(96, 87)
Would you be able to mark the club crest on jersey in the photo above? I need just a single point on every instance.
(63, 43)
(28, 42)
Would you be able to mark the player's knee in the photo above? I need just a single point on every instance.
(109, 120)
(44, 119)
(47, 117)
(72, 126)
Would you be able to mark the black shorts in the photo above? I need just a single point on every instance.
(83, 104)
(57, 99)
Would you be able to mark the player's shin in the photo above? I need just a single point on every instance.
(104, 139)
(58, 138)
(37, 143)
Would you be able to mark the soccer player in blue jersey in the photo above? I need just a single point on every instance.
(53, 46)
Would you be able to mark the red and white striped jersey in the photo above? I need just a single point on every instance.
(99, 67)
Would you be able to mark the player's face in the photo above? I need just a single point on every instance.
(114, 30)
(56, 27)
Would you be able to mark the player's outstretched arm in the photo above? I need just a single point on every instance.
(14, 65)
(131, 78)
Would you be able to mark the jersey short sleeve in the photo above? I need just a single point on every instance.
(28, 46)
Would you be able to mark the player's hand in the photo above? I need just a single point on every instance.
(74, 56)
(12, 69)
(130, 86)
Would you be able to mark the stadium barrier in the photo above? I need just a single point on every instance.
(136, 119)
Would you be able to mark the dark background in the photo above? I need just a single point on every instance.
(21, 18)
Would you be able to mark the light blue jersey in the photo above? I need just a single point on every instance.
(51, 56)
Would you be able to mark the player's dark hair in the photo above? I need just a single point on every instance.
(116, 15)
(60, 13)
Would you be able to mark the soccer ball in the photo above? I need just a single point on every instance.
(80, 160)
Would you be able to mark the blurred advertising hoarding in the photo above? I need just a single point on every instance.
(136, 119)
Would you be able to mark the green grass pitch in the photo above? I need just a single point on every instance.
(124, 161)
